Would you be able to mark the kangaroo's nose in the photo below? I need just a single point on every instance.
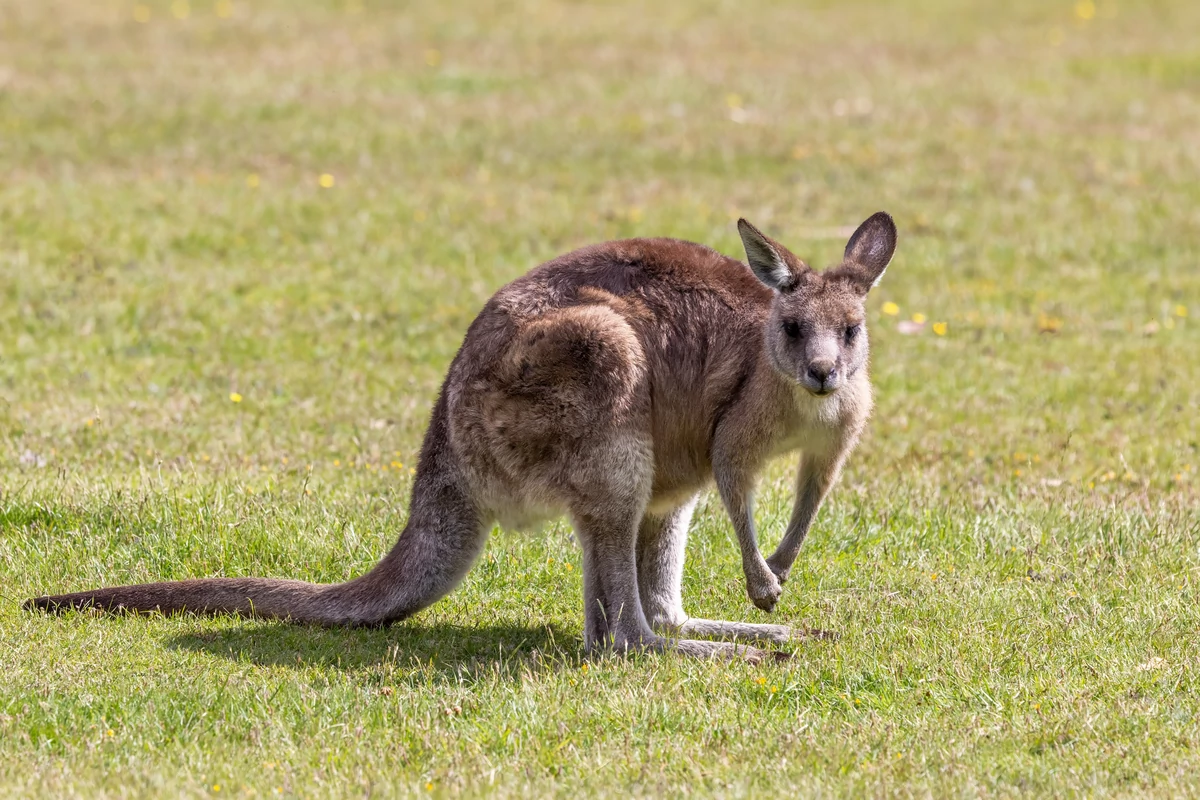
(820, 370)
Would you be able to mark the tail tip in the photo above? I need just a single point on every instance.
(55, 604)
(44, 603)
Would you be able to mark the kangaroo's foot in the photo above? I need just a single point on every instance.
(729, 651)
(613, 615)
(751, 632)
(736, 631)
(694, 648)
(741, 631)
(661, 541)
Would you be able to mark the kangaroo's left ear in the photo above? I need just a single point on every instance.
(869, 251)
(771, 262)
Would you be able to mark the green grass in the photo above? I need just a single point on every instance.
(1011, 558)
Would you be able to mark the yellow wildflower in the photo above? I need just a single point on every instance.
(1048, 324)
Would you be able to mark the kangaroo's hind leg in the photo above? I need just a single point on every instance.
(566, 417)
(611, 485)
(613, 614)
(660, 551)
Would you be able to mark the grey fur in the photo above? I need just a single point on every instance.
(612, 384)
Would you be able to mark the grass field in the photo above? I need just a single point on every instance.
(239, 244)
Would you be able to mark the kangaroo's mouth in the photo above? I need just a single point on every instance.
(818, 388)
(825, 385)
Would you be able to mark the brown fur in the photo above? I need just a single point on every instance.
(613, 384)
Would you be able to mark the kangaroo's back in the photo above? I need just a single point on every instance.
(652, 335)
(584, 333)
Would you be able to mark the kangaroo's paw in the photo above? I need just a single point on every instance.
(780, 571)
(762, 586)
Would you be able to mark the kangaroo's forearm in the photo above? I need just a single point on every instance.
(761, 585)
(815, 479)
(740, 507)
(803, 514)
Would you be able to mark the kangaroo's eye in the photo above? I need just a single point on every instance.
(792, 329)
(851, 332)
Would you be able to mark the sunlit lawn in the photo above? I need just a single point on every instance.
(239, 244)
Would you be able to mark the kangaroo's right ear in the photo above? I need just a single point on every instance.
(870, 250)
(772, 263)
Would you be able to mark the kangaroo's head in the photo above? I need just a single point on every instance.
(816, 333)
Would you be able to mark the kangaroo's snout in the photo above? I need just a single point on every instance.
(821, 370)
(821, 377)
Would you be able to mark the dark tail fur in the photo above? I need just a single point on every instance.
(443, 537)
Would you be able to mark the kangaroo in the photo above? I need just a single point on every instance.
(613, 384)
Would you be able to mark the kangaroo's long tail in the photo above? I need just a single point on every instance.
(260, 597)
(443, 537)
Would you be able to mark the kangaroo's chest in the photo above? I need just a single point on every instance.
(812, 424)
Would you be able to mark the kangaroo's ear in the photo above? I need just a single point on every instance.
(870, 250)
(772, 263)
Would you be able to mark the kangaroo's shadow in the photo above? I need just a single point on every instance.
(452, 650)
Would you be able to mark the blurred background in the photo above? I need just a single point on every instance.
(305, 203)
